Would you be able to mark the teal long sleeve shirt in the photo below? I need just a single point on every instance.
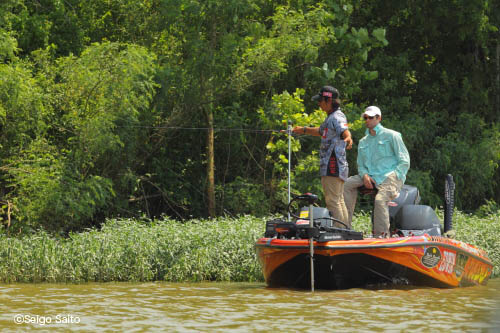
(383, 153)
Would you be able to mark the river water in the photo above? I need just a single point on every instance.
(244, 307)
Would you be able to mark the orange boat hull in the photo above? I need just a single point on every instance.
(420, 260)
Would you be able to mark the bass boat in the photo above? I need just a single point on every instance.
(308, 251)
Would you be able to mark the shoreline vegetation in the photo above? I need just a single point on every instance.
(141, 250)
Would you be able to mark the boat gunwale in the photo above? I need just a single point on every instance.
(344, 246)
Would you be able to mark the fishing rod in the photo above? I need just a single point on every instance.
(289, 131)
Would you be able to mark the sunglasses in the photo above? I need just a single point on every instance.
(367, 117)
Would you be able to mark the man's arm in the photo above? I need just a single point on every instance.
(402, 156)
(346, 135)
(361, 161)
(314, 131)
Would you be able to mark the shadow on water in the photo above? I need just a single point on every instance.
(245, 307)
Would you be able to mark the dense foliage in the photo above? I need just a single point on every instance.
(169, 250)
(132, 250)
(131, 107)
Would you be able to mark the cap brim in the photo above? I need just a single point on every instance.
(316, 98)
(370, 113)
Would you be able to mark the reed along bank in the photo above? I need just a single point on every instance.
(168, 250)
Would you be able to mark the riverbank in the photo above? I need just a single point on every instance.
(167, 250)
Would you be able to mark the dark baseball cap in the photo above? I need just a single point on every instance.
(326, 91)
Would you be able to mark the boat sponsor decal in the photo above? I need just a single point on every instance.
(304, 214)
(460, 244)
(431, 257)
(301, 222)
(448, 262)
(473, 250)
(460, 264)
(475, 272)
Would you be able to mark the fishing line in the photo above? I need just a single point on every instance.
(223, 129)
(218, 129)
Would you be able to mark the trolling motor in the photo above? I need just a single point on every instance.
(307, 197)
(310, 229)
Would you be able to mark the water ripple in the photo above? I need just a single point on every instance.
(243, 307)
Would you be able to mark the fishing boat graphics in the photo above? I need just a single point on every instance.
(418, 260)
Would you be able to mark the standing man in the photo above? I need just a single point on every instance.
(383, 162)
(335, 139)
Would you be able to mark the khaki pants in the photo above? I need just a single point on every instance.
(333, 187)
(387, 191)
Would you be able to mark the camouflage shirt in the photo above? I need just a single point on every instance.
(331, 141)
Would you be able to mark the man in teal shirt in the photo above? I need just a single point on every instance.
(383, 162)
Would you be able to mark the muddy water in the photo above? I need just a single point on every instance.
(244, 307)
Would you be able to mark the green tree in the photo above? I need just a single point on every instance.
(89, 130)
(75, 154)
(39, 24)
(200, 46)
(21, 121)
(8, 43)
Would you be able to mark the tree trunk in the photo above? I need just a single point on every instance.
(210, 123)
(210, 162)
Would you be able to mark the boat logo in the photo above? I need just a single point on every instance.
(431, 257)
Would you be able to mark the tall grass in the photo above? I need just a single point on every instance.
(131, 250)
(197, 250)
(483, 232)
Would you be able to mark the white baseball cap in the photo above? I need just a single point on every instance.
(372, 111)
